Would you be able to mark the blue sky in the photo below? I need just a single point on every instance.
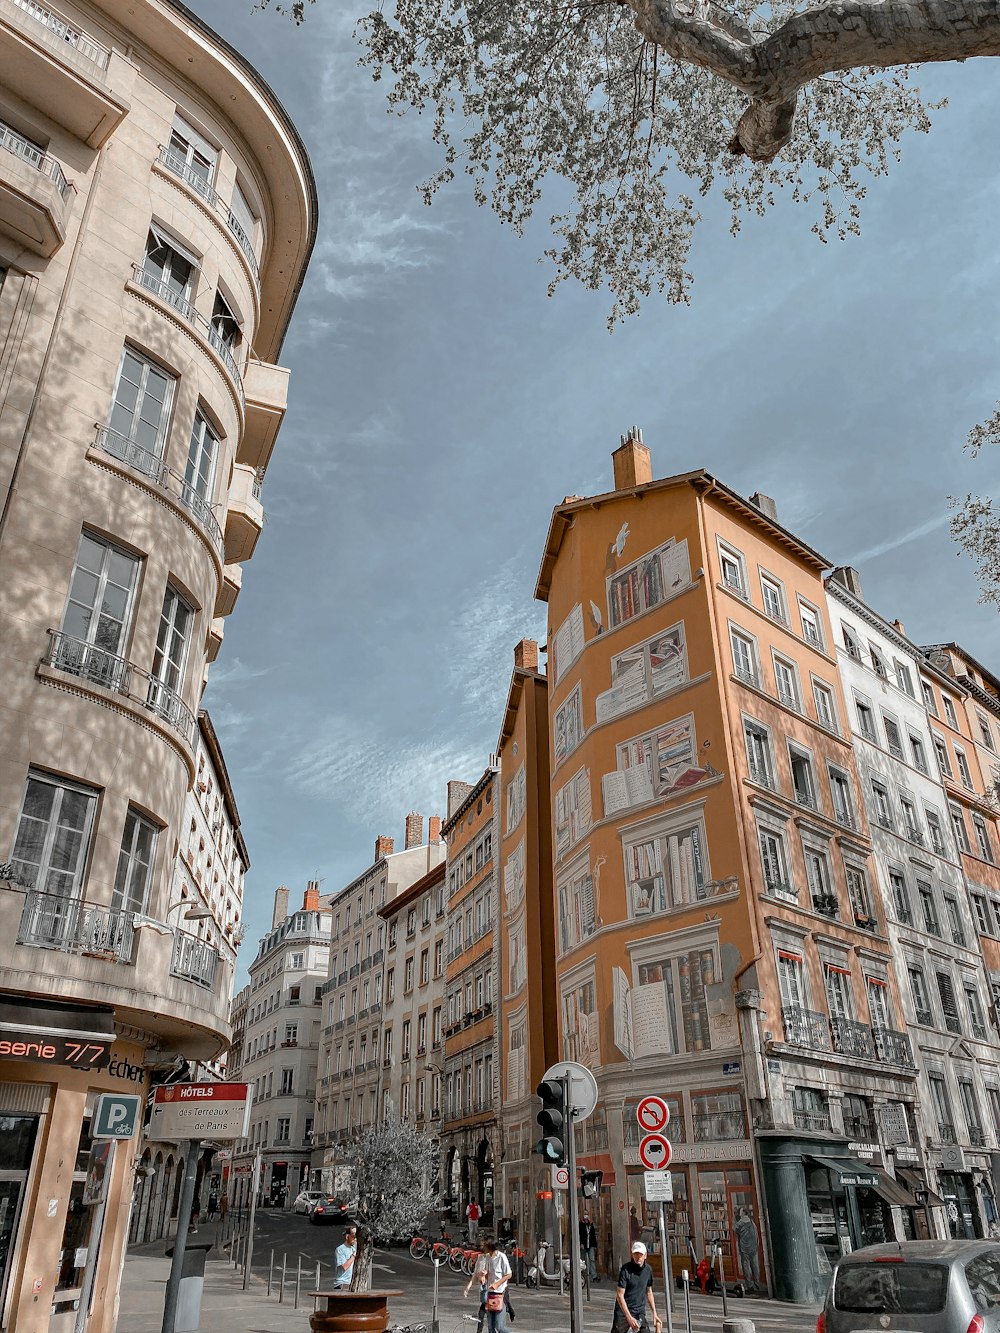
(441, 403)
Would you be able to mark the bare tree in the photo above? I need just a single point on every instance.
(392, 1169)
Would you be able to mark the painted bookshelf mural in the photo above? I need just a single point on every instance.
(576, 901)
(513, 878)
(654, 765)
(568, 725)
(517, 1055)
(517, 956)
(580, 1024)
(667, 866)
(647, 582)
(567, 643)
(643, 672)
(573, 812)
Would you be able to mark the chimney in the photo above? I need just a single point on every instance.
(631, 461)
(310, 902)
(848, 577)
(280, 912)
(765, 504)
(457, 792)
(383, 846)
(434, 829)
(526, 655)
(414, 830)
(897, 625)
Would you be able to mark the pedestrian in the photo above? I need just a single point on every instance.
(344, 1258)
(195, 1213)
(498, 1275)
(588, 1246)
(634, 1226)
(223, 1207)
(634, 1293)
(213, 1205)
(480, 1274)
(747, 1238)
(472, 1215)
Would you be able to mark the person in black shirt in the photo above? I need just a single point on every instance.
(634, 1293)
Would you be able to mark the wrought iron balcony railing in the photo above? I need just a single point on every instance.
(51, 921)
(28, 152)
(716, 1125)
(79, 41)
(194, 959)
(181, 168)
(813, 1121)
(209, 331)
(893, 1048)
(805, 1027)
(851, 1037)
(977, 1136)
(946, 1132)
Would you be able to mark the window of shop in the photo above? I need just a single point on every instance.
(77, 1232)
(726, 1195)
(17, 1141)
(717, 1115)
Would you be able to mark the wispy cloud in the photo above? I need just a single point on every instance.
(238, 672)
(901, 539)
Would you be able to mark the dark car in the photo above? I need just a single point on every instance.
(916, 1286)
(328, 1209)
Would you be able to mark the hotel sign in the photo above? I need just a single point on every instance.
(200, 1111)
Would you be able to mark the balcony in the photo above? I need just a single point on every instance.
(178, 166)
(977, 1136)
(852, 1038)
(88, 662)
(229, 590)
(710, 1128)
(266, 389)
(35, 196)
(946, 1132)
(56, 66)
(153, 472)
(50, 921)
(194, 959)
(805, 1027)
(216, 632)
(748, 677)
(826, 904)
(893, 1048)
(814, 1122)
(244, 515)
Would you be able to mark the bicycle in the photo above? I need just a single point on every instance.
(419, 1245)
(406, 1328)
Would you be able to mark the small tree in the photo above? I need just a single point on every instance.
(392, 1169)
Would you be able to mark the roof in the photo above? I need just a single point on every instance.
(427, 881)
(562, 516)
(517, 679)
(214, 747)
(961, 652)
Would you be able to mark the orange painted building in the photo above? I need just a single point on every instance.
(706, 880)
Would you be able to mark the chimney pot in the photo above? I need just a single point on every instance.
(434, 829)
(457, 792)
(310, 900)
(765, 504)
(526, 655)
(383, 846)
(631, 461)
(414, 830)
(848, 577)
(897, 625)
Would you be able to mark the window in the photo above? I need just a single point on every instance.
(135, 864)
(866, 720)
(939, 1093)
(140, 413)
(568, 731)
(928, 908)
(976, 1017)
(811, 624)
(826, 712)
(919, 995)
(284, 1129)
(810, 1109)
(294, 995)
(674, 987)
(411, 923)
(786, 683)
(903, 677)
(839, 996)
(406, 1039)
(949, 1002)
(425, 967)
(98, 612)
(954, 915)
(858, 1119)
(941, 751)
(961, 832)
(879, 665)
(892, 737)
(744, 657)
(438, 958)
(860, 899)
(733, 574)
(53, 835)
(983, 843)
(840, 794)
(970, 1109)
(575, 899)
(919, 753)
(986, 731)
(285, 1088)
(225, 325)
(878, 1004)
(758, 744)
(170, 656)
(980, 905)
(199, 472)
(882, 807)
(927, 689)
(666, 867)
(291, 1034)
(297, 961)
(773, 862)
(647, 582)
(963, 768)
(195, 153)
(851, 642)
(168, 270)
(949, 712)
(911, 823)
(242, 222)
(803, 784)
(421, 1034)
(773, 596)
(824, 900)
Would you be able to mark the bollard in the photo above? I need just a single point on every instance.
(270, 1272)
(686, 1279)
(317, 1275)
(281, 1293)
(738, 1325)
(722, 1280)
(298, 1281)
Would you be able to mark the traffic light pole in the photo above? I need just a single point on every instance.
(575, 1285)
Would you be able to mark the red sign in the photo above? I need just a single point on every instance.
(653, 1115)
(202, 1092)
(655, 1152)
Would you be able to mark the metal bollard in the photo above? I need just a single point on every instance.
(298, 1281)
(270, 1272)
(738, 1325)
(686, 1279)
(281, 1293)
(722, 1280)
(317, 1274)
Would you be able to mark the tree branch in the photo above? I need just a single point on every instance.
(844, 35)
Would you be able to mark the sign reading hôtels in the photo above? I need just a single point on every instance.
(201, 1111)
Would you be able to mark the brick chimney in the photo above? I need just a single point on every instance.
(414, 830)
(631, 461)
(383, 846)
(457, 792)
(848, 577)
(280, 912)
(310, 900)
(434, 829)
(526, 655)
(765, 504)
(897, 625)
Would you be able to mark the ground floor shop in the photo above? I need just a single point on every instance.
(468, 1172)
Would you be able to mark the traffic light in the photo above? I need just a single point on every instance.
(590, 1183)
(551, 1147)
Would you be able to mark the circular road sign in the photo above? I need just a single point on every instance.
(582, 1096)
(655, 1152)
(653, 1115)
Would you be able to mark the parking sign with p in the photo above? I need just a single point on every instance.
(116, 1116)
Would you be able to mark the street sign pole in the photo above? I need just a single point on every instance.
(575, 1286)
(96, 1229)
(668, 1272)
(254, 1188)
(180, 1239)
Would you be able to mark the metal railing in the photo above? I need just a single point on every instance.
(735, 586)
(977, 1136)
(851, 1037)
(153, 468)
(193, 959)
(35, 157)
(814, 1121)
(179, 167)
(826, 904)
(73, 925)
(762, 777)
(94, 51)
(805, 1027)
(715, 1125)
(169, 705)
(860, 1128)
(946, 1132)
(205, 327)
(748, 677)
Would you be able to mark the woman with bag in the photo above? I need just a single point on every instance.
(480, 1276)
(498, 1275)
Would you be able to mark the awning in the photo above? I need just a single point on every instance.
(50, 1033)
(848, 1170)
(892, 1191)
(914, 1181)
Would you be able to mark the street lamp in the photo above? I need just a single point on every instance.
(194, 912)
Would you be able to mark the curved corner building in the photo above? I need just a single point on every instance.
(157, 212)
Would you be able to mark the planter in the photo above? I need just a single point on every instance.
(351, 1311)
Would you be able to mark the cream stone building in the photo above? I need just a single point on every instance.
(157, 212)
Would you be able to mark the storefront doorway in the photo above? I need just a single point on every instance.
(17, 1142)
(956, 1190)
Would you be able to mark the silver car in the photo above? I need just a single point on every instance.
(916, 1286)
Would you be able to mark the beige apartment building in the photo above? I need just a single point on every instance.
(157, 212)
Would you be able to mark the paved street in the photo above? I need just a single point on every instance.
(228, 1309)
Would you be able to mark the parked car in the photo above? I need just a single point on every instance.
(328, 1209)
(920, 1286)
(305, 1199)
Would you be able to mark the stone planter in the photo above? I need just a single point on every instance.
(351, 1311)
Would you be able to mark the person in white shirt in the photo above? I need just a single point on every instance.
(498, 1274)
(344, 1258)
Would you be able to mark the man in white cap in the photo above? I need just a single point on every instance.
(634, 1293)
